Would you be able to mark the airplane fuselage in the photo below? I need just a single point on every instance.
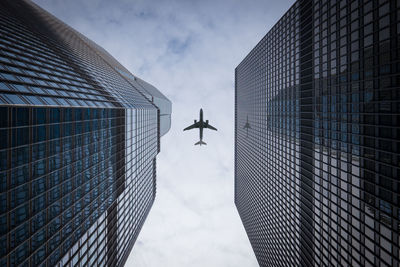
(201, 124)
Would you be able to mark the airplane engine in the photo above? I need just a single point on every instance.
(206, 122)
(195, 121)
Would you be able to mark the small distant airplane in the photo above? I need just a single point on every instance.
(201, 125)
(247, 125)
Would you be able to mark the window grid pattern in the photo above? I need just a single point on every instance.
(58, 174)
(345, 153)
(135, 202)
(94, 62)
(32, 73)
(108, 242)
(77, 171)
(74, 53)
(356, 133)
(267, 98)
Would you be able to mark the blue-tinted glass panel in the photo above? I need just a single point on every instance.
(39, 256)
(19, 175)
(39, 134)
(20, 136)
(19, 235)
(19, 195)
(3, 86)
(55, 115)
(3, 117)
(50, 101)
(54, 210)
(14, 99)
(33, 99)
(39, 203)
(21, 88)
(20, 156)
(3, 139)
(54, 226)
(3, 224)
(38, 186)
(38, 221)
(68, 114)
(55, 131)
(54, 257)
(19, 215)
(20, 116)
(3, 247)
(39, 116)
(38, 239)
(3, 203)
(39, 168)
(19, 254)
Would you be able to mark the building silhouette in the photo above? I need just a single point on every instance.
(79, 135)
(317, 174)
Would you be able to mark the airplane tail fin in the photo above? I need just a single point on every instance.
(201, 143)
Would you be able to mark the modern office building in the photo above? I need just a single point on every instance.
(79, 135)
(317, 172)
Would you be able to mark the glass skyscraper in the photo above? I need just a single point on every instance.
(317, 136)
(79, 135)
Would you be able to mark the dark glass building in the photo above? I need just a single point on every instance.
(317, 136)
(79, 135)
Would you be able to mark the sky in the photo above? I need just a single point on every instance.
(189, 51)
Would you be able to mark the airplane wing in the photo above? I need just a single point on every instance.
(195, 125)
(211, 127)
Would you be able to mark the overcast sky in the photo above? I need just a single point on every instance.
(188, 50)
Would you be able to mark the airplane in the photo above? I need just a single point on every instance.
(247, 126)
(201, 125)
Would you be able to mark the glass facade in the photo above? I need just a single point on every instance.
(78, 145)
(317, 173)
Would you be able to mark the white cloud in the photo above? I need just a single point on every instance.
(189, 50)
